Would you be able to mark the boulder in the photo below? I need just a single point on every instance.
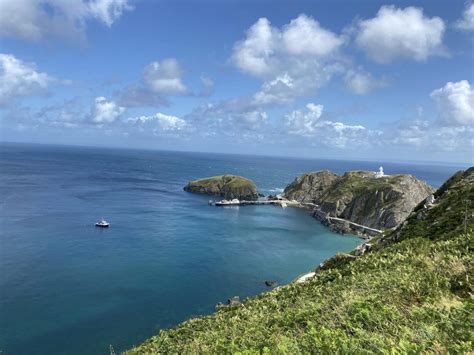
(271, 283)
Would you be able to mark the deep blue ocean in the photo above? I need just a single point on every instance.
(67, 287)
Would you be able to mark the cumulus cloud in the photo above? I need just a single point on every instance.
(266, 50)
(292, 61)
(396, 33)
(254, 54)
(159, 80)
(309, 123)
(252, 119)
(295, 60)
(361, 82)
(466, 23)
(19, 79)
(105, 111)
(305, 36)
(304, 123)
(428, 136)
(234, 117)
(108, 11)
(35, 20)
(159, 122)
(302, 79)
(455, 103)
(164, 77)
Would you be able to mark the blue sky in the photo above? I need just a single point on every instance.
(326, 79)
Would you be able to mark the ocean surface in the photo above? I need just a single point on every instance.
(67, 287)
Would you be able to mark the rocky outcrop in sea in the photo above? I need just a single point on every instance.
(226, 186)
(359, 202)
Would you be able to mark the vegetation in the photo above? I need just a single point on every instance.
(231, 180)
(355, 183)
(228, 186)
(412, 293)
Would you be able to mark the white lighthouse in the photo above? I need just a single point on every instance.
(380, 173)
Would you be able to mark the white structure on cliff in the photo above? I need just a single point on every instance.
(380, 173)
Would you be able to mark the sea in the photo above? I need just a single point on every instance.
(68, 287)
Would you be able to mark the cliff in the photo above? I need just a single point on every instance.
(227, 186)
(310, 187)
(359, 197)
(410, 291)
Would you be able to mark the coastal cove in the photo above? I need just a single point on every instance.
(168, 256)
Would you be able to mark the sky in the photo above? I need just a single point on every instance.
(340, 79)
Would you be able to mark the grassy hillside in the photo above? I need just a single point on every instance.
(411, 293)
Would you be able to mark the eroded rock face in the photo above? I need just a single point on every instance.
(310, 186)
(359, 197)
(226, 186)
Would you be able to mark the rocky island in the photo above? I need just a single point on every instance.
(358, 199)
(226, 186)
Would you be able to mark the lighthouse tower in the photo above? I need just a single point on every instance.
(380, 173)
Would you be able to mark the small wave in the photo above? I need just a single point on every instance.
(276, 189)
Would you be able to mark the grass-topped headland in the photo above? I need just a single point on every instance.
(227, 186)
(411, 293)
(359, 196)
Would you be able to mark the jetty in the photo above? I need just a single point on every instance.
(279, 203)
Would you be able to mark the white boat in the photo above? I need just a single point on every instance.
(103, 224)
(233, 202)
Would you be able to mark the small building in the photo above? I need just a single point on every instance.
(380, 173)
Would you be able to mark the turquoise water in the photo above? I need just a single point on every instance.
(67, 287)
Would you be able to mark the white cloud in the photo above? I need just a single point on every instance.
(268, 50)
(18, 79)
(466, 23)
(302, 79)
(455, 103)
(361, 82)
(105, 111)
(254, 54)
(108, 11)
(304, 35)
(37, 20)
(160, 121)
(253, 119)
(295, 60)
(164, 77)
(304, 123)
(159, 80)
(310, 124)
(400, 34)
(429, 137)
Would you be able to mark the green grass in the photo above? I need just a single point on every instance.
(411, 294)
(233, 181)
(354, 183)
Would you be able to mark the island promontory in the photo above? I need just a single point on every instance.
(227, 186)
(364, 198)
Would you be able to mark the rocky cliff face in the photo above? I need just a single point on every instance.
(310, 187)
(359, 197)
(227, 186)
